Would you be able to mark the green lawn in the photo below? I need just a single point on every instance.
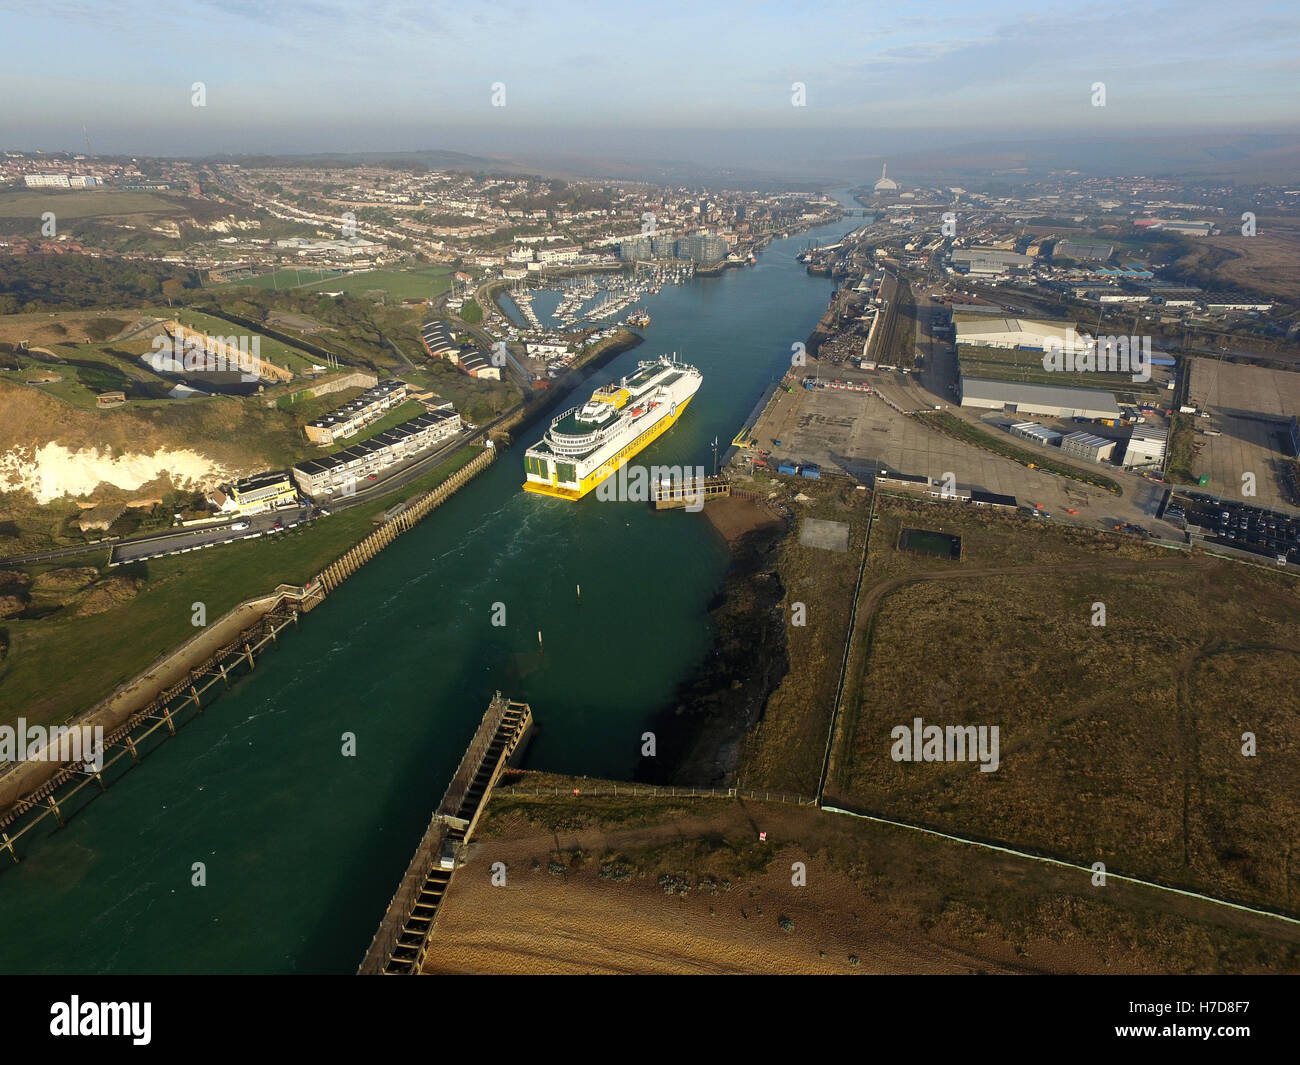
(81, 203)
(61, 665)
(427, 281)
(281, 279)
(423, 281)
(403, 412)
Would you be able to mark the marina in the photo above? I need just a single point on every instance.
(594, 300)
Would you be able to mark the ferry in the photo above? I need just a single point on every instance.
(586, 445)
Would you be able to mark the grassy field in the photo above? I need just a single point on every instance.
(79, 203)
(1265, 263)
(784, 752)
(282, 279)
(1181, 467)
(402, 412)
(273, 351)
(90, 369)
(1120, 743)
(425, 281)
(64, 663)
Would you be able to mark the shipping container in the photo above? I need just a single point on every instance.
(788, 468)
(811, 471)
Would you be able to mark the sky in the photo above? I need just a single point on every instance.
(713, 79)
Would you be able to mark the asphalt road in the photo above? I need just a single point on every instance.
(288, 517)
(194, 539)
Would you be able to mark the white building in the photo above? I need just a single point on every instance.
(1146, 447)
(1036, 434)
(1013, 332)
(346, 469)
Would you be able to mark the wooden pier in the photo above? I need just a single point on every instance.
(401, 944)
(690, 492)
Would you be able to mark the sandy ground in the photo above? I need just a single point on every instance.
(576, 922)
(733, 517)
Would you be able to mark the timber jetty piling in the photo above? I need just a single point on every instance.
(402, 942)
(31, 791)
(693, 491)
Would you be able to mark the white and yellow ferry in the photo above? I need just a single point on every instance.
(587, 444)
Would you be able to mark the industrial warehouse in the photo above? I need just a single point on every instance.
(341, 471)
(1146, 447)
(1089, 447)
(1014, 332)
(1056, 401)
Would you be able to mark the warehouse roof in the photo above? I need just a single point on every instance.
(1149, 434)
(1062, 396)
(1032, 329)
(1089, 440)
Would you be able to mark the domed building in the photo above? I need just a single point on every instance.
(885, 184)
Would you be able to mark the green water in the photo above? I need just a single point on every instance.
(304, 847)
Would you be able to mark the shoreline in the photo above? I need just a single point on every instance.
(170, 683)
(715, 707)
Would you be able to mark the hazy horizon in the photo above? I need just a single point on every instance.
(713, 87)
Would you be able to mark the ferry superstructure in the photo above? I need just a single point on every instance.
(587, 444)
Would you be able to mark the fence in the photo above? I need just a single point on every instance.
(620, 791)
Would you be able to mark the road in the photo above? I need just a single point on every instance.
(194, 539)
(288, 517)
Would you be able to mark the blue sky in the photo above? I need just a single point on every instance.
(301, 75)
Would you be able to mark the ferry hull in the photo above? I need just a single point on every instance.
(611, 465)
